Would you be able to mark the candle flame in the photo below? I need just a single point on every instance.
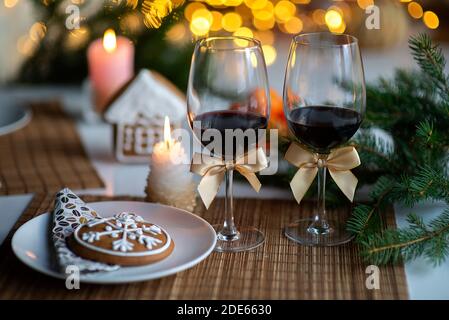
(109, 41)
(167, 131)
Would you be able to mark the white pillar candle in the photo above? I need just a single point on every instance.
(170, 180)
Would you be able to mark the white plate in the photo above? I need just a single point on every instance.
(194, 240)
(13, 117)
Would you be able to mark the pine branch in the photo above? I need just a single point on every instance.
(362, 216)
(432, 62)
(431, 240)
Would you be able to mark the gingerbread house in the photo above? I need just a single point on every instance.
(137, 114)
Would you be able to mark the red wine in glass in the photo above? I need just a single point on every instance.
(231, 120)
(322, 128)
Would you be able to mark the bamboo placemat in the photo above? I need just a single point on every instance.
(278, 270)
(45, 155)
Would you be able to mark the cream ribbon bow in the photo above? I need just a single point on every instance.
(339, 163)
(213, 169)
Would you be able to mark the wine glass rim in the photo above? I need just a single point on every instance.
(252, 42)
(299, 39)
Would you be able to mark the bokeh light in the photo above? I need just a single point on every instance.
(415, 10)
(10, 3)
(318, 16)
(265, 37)
(243, 32)
(216, 21)
(200, 26)
(431, 20)
(256, 4)
(37, 31)
(293, 25)
(231, 21)
(191, 8)
(365, 3)
(176, 33)
(333, 19)
(269, 53)
(284, 10)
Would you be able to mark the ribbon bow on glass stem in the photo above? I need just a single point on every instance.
(213, 169)
(339, 163)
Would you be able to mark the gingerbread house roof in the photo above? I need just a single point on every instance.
(148, 95)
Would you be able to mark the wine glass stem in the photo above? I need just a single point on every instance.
(228, 231)
(320, 225)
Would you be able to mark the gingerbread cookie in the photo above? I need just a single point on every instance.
(125, 239)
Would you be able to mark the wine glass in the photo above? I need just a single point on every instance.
(227, 91)
(324, 103)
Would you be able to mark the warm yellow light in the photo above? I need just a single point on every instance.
(203, 13)
(333, 19)
(176, 33)
(265, 14)
(77, 38)
(243, 32)
(415, 10)
(256, 4)
(293, 25)
(318, 16)
(10, 3)
(232, 3)
(109, 41)
(431, 20)
(265, 37)
(231, 21)
(215, 3)
(264, 24)
(37, 31)
(200, 26)
(284, 10)
(405, 0)
(301, 1)
(131, 22)
(26, 46)
(191, 8)
(216, 21)
(340, 29)
(269, 53)
(365, 3)
(167, 131)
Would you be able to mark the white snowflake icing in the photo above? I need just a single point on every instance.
(124, 225)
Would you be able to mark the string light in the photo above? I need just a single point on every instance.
(258, 17)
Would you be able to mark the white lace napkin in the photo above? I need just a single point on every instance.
(69, 212)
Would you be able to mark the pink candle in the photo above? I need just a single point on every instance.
(111, 65)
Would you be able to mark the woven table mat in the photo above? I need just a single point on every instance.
(280, 269)
(45, 155)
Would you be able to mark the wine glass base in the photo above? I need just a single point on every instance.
(300, 232)
(247, 239)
